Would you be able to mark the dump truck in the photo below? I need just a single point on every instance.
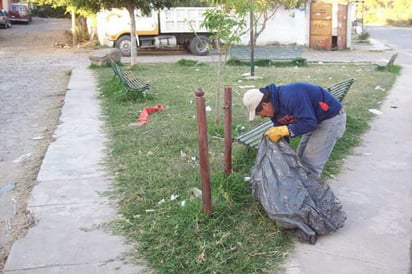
(173, 28)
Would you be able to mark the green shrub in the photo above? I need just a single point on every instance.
(364, 35)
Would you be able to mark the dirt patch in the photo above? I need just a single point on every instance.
(36, 61)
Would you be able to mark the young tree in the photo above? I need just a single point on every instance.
(228, 25)
(226, 30)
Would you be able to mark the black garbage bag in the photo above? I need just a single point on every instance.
(292, 198)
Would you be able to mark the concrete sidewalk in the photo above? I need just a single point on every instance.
(69, 237)
(66, 202)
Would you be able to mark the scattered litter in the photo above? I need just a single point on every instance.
(14, 206)
(375, 111)
(173, 197)
(7, 188)
(379, 88)
(240, 127)
(133, 124)
(247, 179)
(22, 158)
(253, 77)
(144, 115)
(162, 201)
(60, 45)
(38, 138)
(8, 225)
(190, 159)
(150, 210)
(196, 192)
(183, 203)
(243, 87)
(394, 106)
(208, 109)
(201, 257)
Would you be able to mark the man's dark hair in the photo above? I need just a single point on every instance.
(265, 99)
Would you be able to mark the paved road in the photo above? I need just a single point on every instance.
(34, 77)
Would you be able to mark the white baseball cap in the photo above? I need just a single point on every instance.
(251, 100)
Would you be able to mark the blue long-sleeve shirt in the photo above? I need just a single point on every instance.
(297, 105)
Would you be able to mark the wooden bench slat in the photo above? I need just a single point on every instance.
(252, 137)
(340, 89)
(129, 79)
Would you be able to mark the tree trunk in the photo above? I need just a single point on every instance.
(218, 82)
(74, 34)
(81, 29)
(252, 41)
(133, 47)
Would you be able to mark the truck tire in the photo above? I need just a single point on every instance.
(124, 44)
(200, 45)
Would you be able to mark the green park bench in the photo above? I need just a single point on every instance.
(252, 137)
(129, 79)
(387, 65)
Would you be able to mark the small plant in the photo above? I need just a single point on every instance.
(300, 62)
(391, 68)
(364, 36)
(190, 63)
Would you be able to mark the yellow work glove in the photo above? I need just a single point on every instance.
(277, 133)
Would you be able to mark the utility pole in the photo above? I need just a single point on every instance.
(363, 9)
(252, 43)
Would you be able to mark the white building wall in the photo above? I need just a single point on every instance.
(5, 4)
(285, 27)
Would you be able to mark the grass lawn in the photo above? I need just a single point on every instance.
(156, 165)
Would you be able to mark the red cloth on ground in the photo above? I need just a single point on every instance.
(144, 115)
